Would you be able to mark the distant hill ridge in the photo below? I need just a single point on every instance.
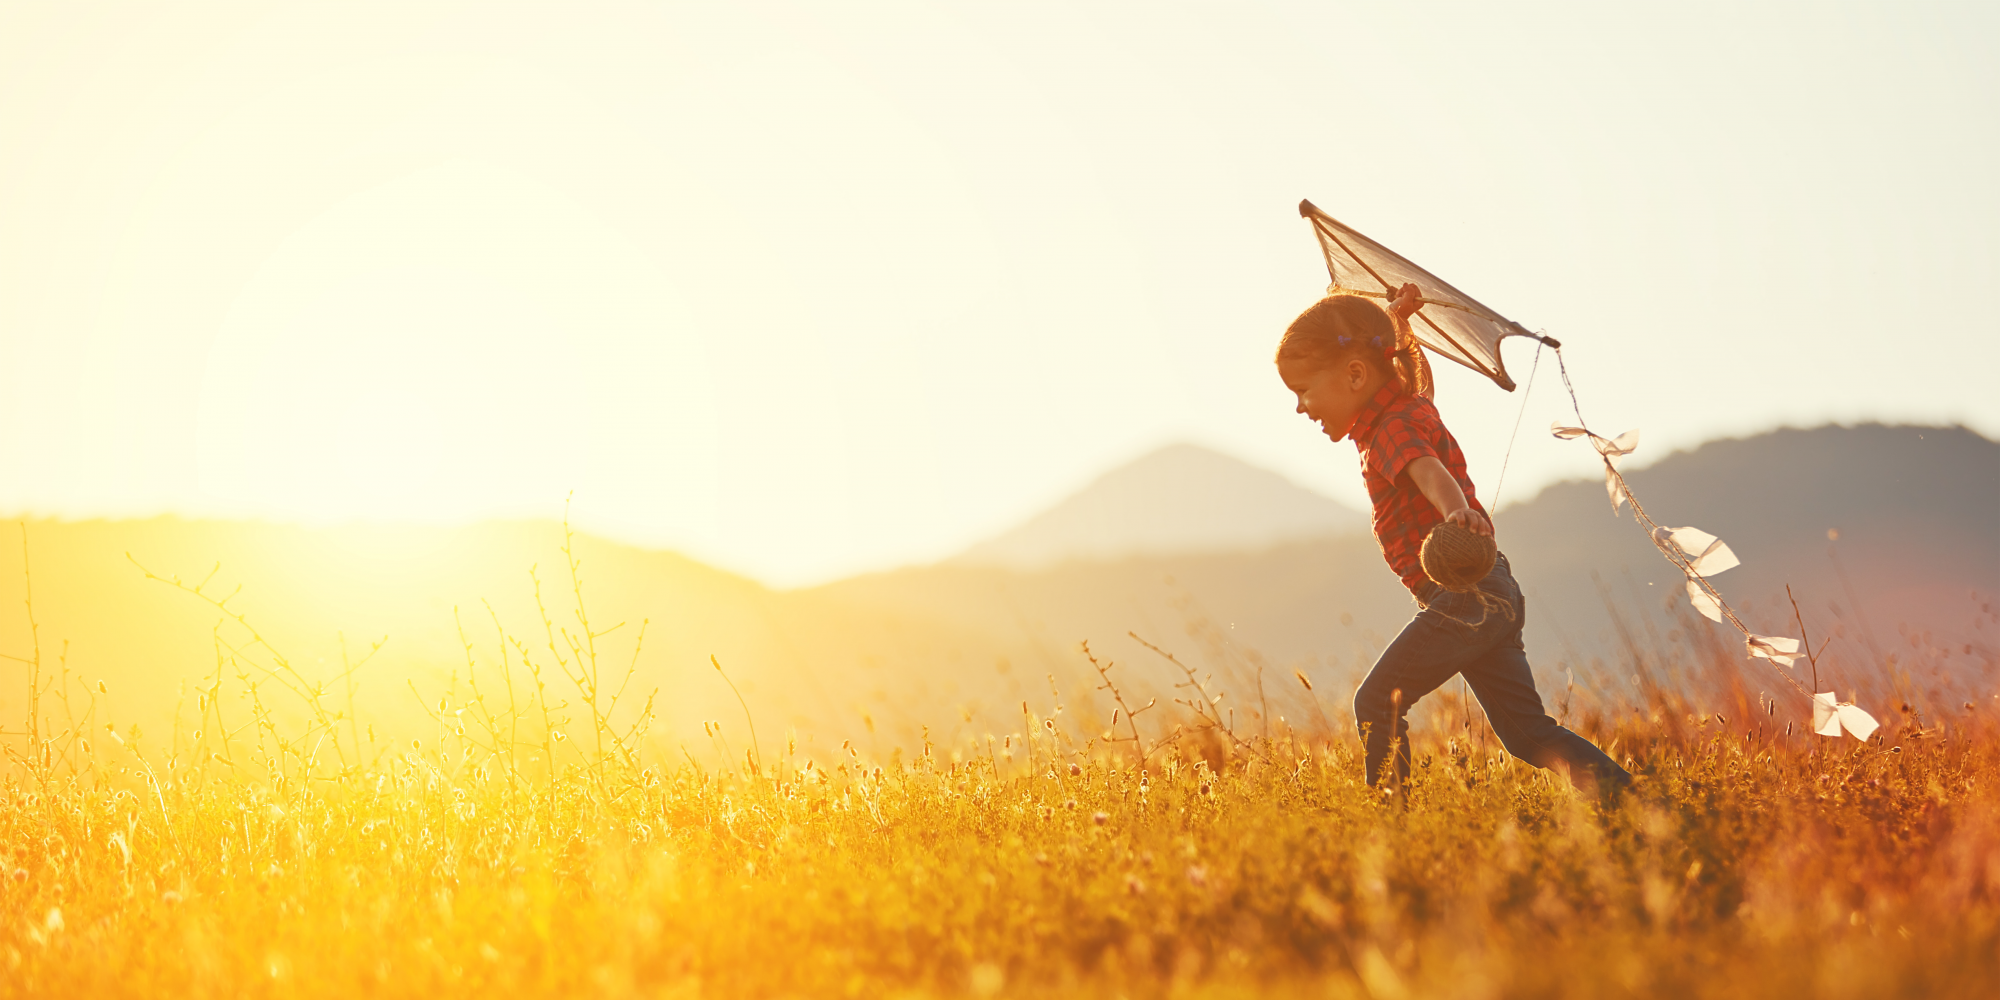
(1178, 500)
(959, 646)
(1913, 560)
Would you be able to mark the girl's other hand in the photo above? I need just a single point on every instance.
(1408, 300)
(1471, 520)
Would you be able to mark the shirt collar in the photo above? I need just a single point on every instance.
(1371, 414)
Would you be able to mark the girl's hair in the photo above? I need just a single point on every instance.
(1343, 326)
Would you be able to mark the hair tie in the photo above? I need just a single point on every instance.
(1343, 340)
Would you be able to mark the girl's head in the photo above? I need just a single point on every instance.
(1339, 353)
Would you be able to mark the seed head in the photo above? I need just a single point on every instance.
(1100, 818)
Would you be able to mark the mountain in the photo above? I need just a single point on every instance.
(1180, 499)
(1912, 575)
(1902, 595)
(1869, 523)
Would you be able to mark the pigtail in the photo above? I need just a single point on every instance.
(1411, 366)
(1408, 361)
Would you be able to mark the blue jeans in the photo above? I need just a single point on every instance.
(1461, 634)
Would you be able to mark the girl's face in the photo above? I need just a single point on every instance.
(1331, 393)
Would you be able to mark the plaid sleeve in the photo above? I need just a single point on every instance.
(1403, 438)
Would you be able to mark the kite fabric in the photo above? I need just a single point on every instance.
(1450, 323)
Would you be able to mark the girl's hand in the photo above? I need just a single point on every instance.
(1408, 300)
(1471, 520)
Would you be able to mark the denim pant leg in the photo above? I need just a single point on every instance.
(1505, 686)
(1478, 635)
(1427, 653)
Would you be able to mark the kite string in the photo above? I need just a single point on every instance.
(1574, 405)
(1526, 391)
(1653, 531)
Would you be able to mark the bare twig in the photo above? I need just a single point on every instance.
(1200, 701)
(1103, 669)
(1805, 641)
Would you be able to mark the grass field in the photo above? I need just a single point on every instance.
(537, 840)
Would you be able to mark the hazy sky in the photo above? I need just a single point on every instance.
(805, 289)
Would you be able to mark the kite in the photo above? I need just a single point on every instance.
(1457, 326)
(1454, 325)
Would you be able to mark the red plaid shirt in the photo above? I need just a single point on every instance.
(1392, 431)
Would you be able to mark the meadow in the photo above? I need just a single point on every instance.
(539, 836)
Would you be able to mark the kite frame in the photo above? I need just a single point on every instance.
(1327, 229)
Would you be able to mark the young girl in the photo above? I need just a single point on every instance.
(1356, 371)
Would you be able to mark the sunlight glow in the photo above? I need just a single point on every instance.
(807, 291)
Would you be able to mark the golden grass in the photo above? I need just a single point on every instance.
(538, 844)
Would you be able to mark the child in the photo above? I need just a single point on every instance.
(1357, 373)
